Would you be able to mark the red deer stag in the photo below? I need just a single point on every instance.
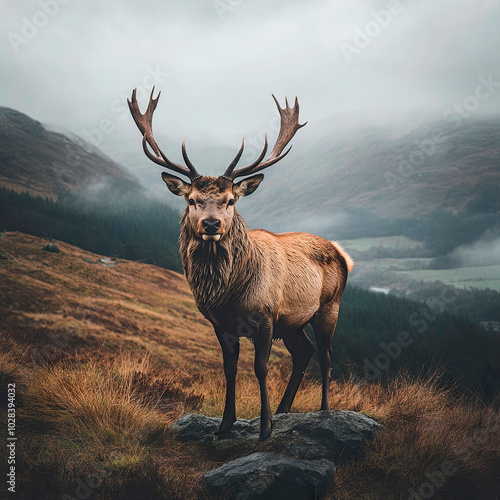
(254, 284)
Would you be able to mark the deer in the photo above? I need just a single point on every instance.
(253, 283)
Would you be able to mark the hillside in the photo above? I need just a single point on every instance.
(59, 303)
(120, 304)
(116, 217)
(349, 183)
(350, 180)
(45, 163)
(105, 355)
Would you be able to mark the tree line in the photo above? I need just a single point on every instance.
(116, 219)
(380, 335)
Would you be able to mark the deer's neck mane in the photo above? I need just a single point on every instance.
(218, 272)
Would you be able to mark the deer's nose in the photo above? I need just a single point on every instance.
(211, 226)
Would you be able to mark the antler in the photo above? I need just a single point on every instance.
(289, 126)
(145, 124)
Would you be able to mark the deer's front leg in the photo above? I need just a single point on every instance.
(262, 342)
(230, 345)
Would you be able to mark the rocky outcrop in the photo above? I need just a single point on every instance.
(51, 247)
(271, 475)
(324, 434)
(313, 443)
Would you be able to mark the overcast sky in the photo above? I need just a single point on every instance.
(72, 63)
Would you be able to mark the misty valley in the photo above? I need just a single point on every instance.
(419, 321)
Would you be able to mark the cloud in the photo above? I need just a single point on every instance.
(217, 68)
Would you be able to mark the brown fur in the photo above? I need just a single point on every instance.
(274, 283)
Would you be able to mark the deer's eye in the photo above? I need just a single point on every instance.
(231, 202)
(192, 202)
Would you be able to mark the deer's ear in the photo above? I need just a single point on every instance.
(176, 185)
(248, 186)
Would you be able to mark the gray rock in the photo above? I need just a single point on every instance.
(324, 434)
(196, 427)
(107, 262)
(271, 475)
(51, 247)
(332, 434)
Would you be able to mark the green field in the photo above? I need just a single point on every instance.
(362, 244)
(464, 277)
(416, 267)
(406, 264)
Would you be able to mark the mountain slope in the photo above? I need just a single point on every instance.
(69, 301)
(372, 172)
(337, 176)
(45, 163)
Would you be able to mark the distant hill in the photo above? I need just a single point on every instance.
(371, 172)
(352, 182)
(92, 201)
(46, 163)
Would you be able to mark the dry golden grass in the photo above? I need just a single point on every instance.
(427, 430)
(95, 402)
(116, 410)
(104, 414)
(105, 359)
(211, 385)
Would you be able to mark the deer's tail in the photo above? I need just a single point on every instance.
(348, 259)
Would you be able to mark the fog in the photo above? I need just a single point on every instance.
(483, 252)
(72, 64)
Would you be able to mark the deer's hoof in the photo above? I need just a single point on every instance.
(224, 428)
(265, 431)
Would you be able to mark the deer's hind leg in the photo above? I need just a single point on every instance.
(324, 323)
(301, 349)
